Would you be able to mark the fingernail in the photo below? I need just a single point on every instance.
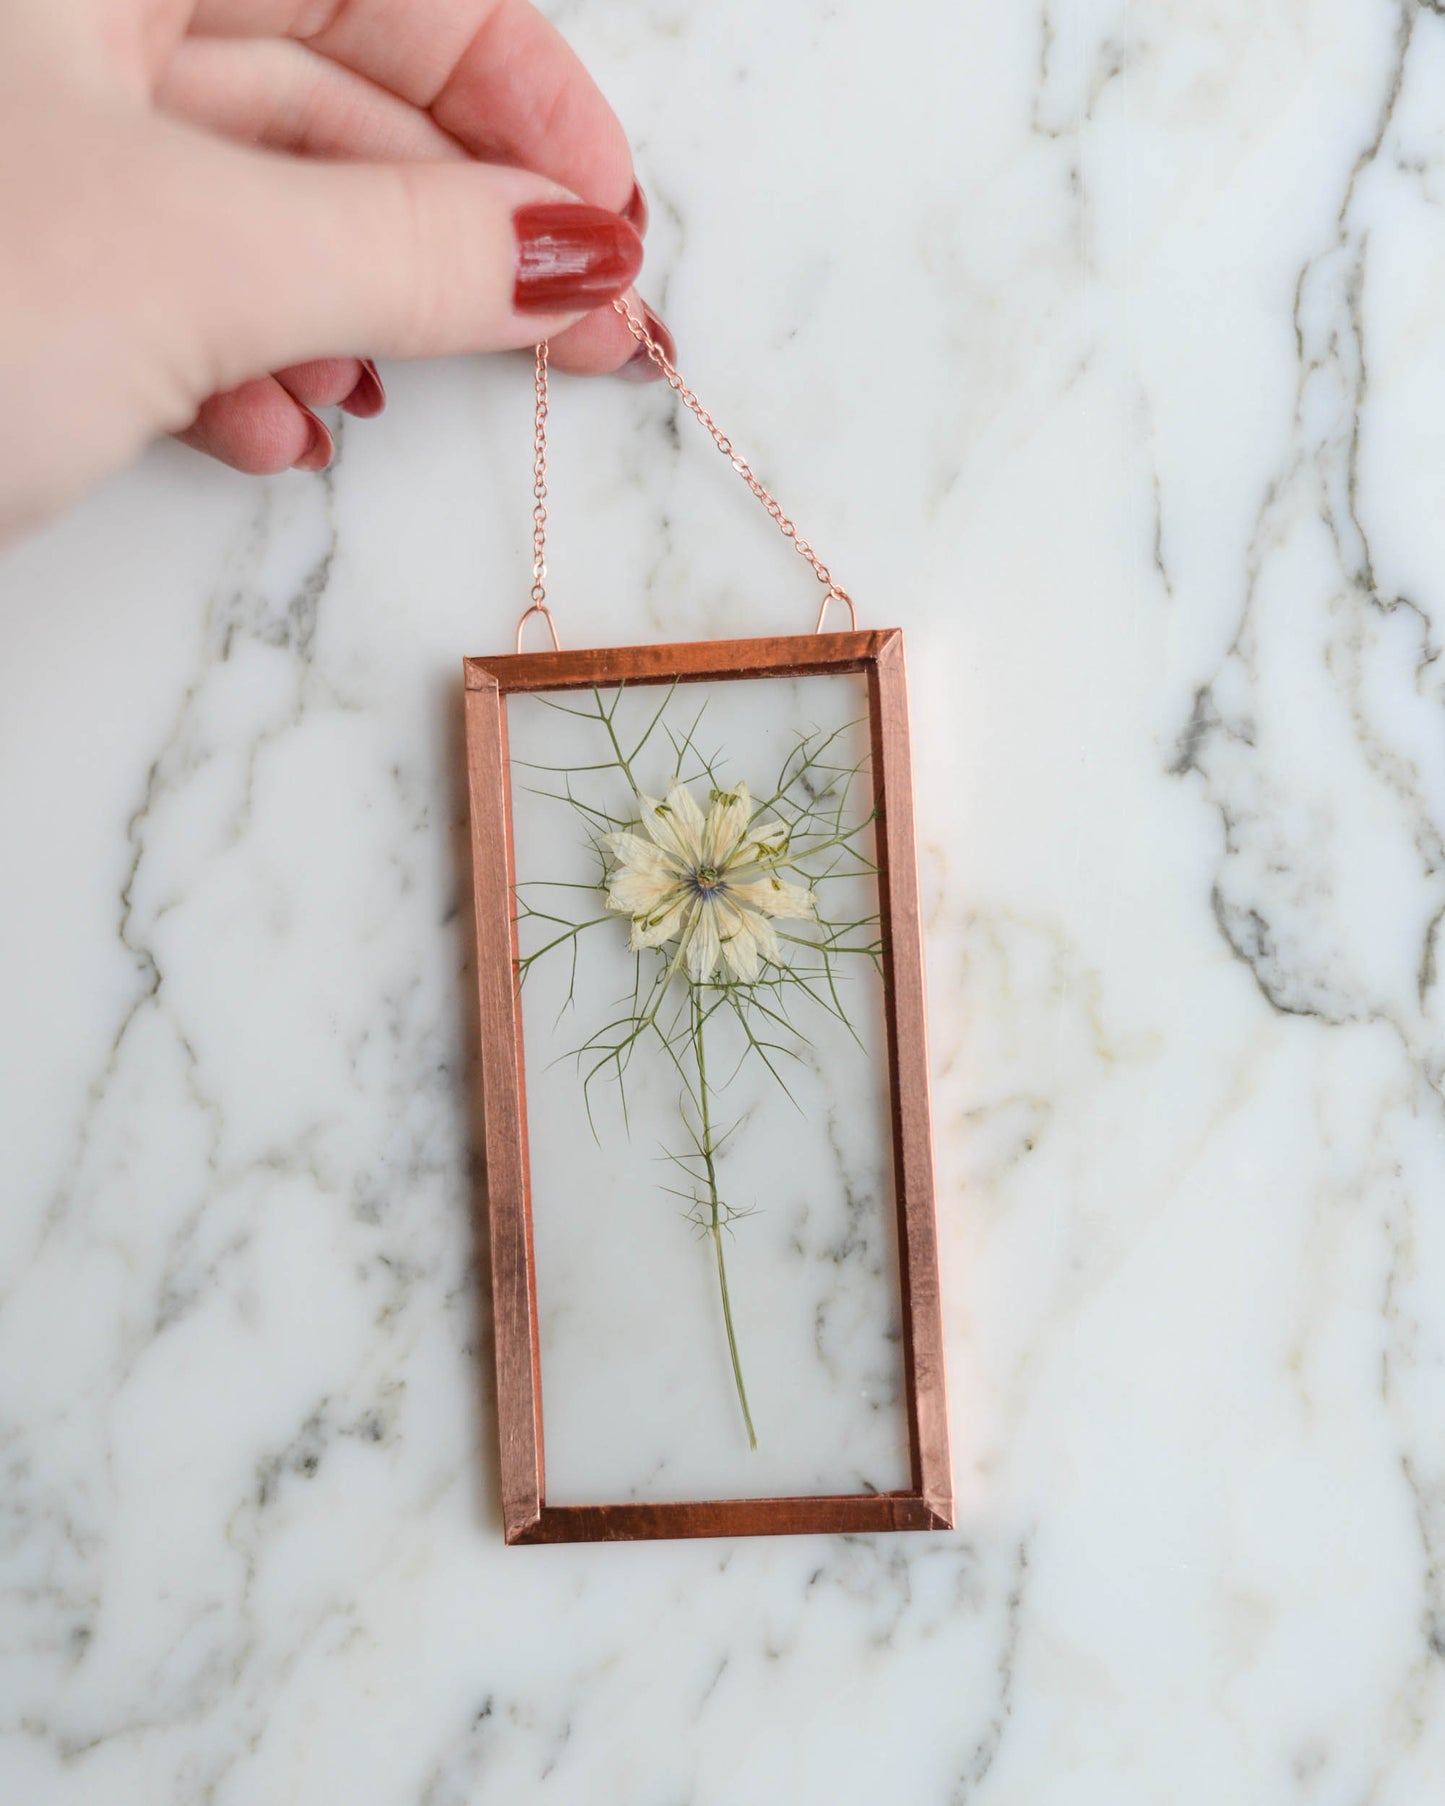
(571, 257)
(640, 367)
(368, 398)
(319, 446)
(635, 212)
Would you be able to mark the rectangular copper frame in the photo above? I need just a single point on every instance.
(928, 1503)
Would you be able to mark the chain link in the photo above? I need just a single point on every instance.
(833, 590)
(539, 483)
(539, 506)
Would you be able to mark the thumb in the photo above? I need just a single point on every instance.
(298, 259)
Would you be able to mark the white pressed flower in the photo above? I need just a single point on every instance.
(711, 881)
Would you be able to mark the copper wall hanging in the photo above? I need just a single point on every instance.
(927, 1501)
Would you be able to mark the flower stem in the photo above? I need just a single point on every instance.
(715, 1225)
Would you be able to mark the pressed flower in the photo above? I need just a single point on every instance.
(707, 888)
(711, 882)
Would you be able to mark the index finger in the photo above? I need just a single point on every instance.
(494, 74)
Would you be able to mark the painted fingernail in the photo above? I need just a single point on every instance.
(368, 398)
(319, 446)
(640, 367)
(571, 257)
(635, 212)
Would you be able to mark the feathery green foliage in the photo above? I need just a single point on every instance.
(826, 805)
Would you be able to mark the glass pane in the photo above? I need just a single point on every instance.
(707, 1118)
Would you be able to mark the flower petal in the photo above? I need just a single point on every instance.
(702, 944)
(765, 935)
(634, 853)
(774, 896)
(738, 940)
(642, 894)
(763, 840)
(727, 821)
(676, 824)
(660, 926)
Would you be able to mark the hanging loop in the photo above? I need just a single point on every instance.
(837, 594)
(539, 504)
(538, 608)
(835, 591)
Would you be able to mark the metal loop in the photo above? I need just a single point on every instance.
(837, 595)
(836, 592)
(538, 608)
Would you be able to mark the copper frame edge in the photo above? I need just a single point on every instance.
(503, 1079)
(857, 1514)
(928, 1504)
(910, 1102)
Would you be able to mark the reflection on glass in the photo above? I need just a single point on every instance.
(713, 1214)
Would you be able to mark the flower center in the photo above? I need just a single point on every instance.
(707, 877)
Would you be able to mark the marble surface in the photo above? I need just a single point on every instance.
(1102, 347)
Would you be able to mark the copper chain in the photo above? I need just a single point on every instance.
(539, 507)
(833, 590)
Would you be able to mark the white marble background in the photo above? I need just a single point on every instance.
(1102, 346)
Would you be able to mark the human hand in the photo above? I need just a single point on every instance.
(194, 193)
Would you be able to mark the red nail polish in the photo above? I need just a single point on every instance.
(368, 398)
(319, 446)
(640, 367)
(635, 212)
(571, 258)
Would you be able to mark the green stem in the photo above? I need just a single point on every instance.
(716, 1224)
(620, 756)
